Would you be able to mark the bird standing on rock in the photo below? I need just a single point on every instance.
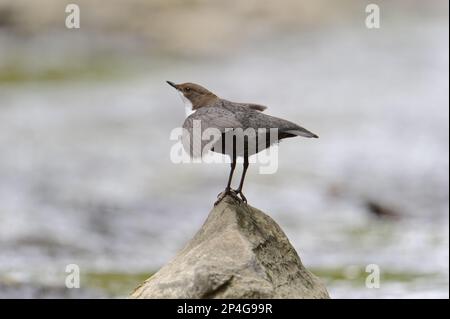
(244, 129)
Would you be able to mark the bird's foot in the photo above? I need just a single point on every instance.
(226, 192)
(239, 192)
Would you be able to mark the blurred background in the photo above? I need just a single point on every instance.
(85, 118)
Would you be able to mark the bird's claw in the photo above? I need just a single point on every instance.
(225, 193)
(239, 192)
(236, 194)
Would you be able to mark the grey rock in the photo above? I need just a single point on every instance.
(239, 252)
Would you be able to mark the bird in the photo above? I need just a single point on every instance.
(228, 118)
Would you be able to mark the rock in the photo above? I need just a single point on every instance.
(239, 252)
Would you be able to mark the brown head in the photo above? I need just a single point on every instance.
(197, 95)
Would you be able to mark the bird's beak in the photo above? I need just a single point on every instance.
(172, 84)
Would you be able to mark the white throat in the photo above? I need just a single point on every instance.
(187, 105)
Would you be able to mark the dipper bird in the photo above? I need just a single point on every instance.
(228, 118)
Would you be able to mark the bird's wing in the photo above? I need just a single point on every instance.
(205, 127)
(285, 128)
(252, 106)
(213, 117)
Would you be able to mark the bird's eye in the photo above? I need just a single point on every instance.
(187, 89)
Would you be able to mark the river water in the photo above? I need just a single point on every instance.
(86, 177)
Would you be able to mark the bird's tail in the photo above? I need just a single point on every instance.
(300, 131)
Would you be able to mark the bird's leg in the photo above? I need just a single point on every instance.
(228, 190)
(233, 166)
(241, 184)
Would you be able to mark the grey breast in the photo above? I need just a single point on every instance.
(204, 128)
